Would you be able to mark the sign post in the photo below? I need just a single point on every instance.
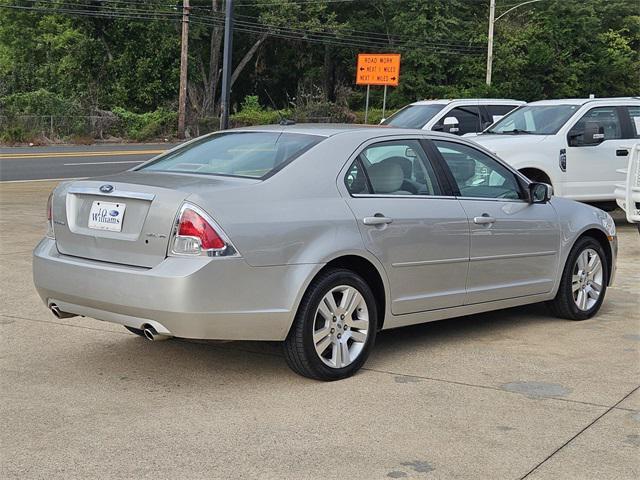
(366, 106)
(377, 69)
(384, 101)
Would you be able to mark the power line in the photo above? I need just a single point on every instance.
(339, 36)
(336, 39)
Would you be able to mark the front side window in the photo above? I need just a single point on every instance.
(413, 116)
(467, 117)
(634, 113)
(398, 167)
(534, 120)
(238, 154)
(477, 174)
(603, 122)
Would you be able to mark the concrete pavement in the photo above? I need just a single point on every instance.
(504, 395)
(73, 161)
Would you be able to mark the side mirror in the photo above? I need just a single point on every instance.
(593, 134)
(450, 124)
(486, 124)
(382, 120)
(540, 192)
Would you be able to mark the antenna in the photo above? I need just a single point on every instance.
(283, 120)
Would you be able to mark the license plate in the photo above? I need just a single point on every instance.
(106, 216)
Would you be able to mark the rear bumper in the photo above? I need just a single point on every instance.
(199, 297)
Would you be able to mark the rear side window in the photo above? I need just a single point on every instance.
(634, 113)
(468, 118)
(237, 154)
(496, 112)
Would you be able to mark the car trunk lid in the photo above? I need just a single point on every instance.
(147, 204)
(146, 222)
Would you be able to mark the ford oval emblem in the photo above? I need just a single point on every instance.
(106, 188)
(114, 213)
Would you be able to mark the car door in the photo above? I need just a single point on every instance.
(411, 223)
(591, 165)
(514, 248)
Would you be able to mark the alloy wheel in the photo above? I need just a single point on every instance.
(341, 326)
(586, 282)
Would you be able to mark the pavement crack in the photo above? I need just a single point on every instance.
(487, 387)
(579, 433)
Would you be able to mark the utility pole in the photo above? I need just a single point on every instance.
(492, 14)
(184, 52)
(225, 96)
(492, 21)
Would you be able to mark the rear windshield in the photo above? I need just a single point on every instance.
(237, 154)
(413, 116)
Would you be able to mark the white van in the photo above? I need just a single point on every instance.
(461, 116)
(576, 145)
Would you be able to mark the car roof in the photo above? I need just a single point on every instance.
(482, 101)
(582, 101)
(331, 129)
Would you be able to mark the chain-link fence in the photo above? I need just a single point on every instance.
(56, 127)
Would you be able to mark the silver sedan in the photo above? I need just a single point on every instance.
(317, 236)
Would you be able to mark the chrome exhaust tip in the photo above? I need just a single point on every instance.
(59, 313)
(152, 334)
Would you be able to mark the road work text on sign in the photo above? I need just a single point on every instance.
(378, 69)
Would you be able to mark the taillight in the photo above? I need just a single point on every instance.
(50, 233)
(196, 233)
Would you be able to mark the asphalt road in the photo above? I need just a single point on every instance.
(58, 162)
(513, 394)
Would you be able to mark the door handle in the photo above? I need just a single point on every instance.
(377, 219)
(622, 152)
(485, 219)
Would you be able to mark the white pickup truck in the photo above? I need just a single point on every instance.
(576, 145)
(628, 192)
(457, 116)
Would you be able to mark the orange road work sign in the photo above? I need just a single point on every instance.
(378, 69)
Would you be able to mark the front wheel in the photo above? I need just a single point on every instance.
(335, 327)
(583, 283)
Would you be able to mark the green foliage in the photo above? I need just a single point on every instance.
(146, 126)
(64, 64)
(39, 102)
(374, 117)
(14, 135)
(252, 113)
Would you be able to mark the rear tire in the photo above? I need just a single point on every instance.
(584, 282)
(335, 327)
(135, 331)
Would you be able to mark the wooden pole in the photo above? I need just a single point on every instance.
(492, 14)
(184, 59)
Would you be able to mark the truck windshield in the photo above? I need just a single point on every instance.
(237, 154)
(534, 120)
(413, 116)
